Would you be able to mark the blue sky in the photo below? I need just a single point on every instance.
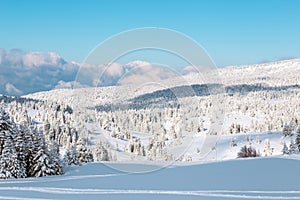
(232, 31)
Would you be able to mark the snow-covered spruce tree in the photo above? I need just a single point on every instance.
(287, 131)
(24, 118)
(42, 163)
(293, 147)
(21, 148)
(9, 163)
(285, 149)
(267, 148)
(84, 154)
(7, 128)
(30, 148)
(101, 154)
(71, 157)
(53, 148)
(297, 141)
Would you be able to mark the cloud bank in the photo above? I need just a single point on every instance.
(28, 72)
(22, 73)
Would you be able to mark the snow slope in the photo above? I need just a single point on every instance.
(216, 175)
(269, 73)
(268, 178)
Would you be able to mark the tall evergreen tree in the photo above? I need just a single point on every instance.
(20, 146)
(6, 128)
(293, 147)
(101, 154)
(41, 161)
(287, 131)
(9, 163)
(285, 149)
(84, 153)
(53, 149)
(297, 141)
(71, 157)
(30, 148)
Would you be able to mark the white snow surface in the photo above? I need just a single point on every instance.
(215, 175)
(268, 178)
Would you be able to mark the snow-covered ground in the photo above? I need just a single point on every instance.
(202, 165)
(267, 178)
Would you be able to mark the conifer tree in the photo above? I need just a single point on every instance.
(297, 141)
(285, 149)
(9, 163)
(71, 157)
(293, 147)
(84, 154)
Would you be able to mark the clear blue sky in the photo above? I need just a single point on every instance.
(232, 31)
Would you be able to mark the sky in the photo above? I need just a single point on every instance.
(233, 32)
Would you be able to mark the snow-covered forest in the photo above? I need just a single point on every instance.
(256, 113)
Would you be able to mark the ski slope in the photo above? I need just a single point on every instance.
(259, 178)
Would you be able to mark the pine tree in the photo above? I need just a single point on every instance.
(42, 162)
(5, 122)
(286, 130)
(7, 128)
(71, 157)
(53, 149)
(42, 165)
(297, 141)
(267, 148)
(12, 166)
(20, 146)
(9, 163)
(246, 152)
(84, 154)
(101, 154)
(293, 147)
(285, 149)
(30, 148)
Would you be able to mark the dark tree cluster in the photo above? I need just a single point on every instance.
(246, 152)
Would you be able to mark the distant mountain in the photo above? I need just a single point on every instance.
(28, 72)
(23, 73)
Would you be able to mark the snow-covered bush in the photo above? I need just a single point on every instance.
(246, 152)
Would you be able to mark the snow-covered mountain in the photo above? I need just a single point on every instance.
(27, 72)
(198, 127)
(252, 106)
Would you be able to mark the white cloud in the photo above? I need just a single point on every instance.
(2, 55)
(13, 57)
(22, 73)
(11, 89)
(146, 72)
(189, 69)
(36, 59)
(69, 85)
(33, 71)
(114, 69)
(193, 69)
